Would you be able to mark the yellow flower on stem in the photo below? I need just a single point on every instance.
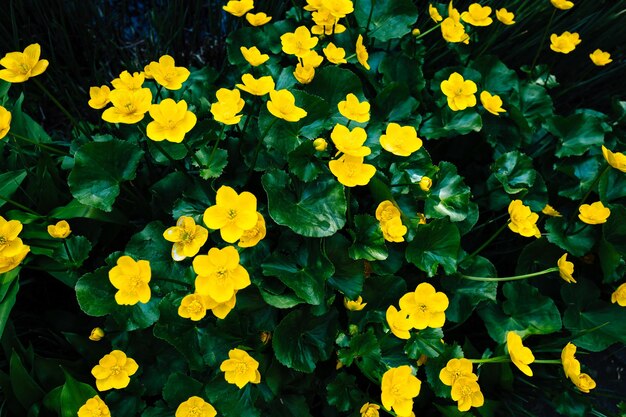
(10, 244)
(114, 371)
(584, 383)
(491, 103)
(221, 309)
(361, 53)
(299, 42)
(219, 274)
(229, 103)
(616, 159)
(506, 17)
(356, 305)
(187, 236)
(562, 4)
(258, 19)
(349, 141)
(548, 210)
(386, 211)
(393, 230)
(99, 97)
(571, 366)
(600, 58)
(326, 23)
(565, 42)
(167, 74)
(5, 122)
(254, 86)
(566, 269)
(96, 334)
(195, 407)
(320, 144)
(352, 109)
(434, 13)
(399, 387)
(60, 230)
(370, 410)
(453, 31)
(460, 92)
(425, 183)
(253, 56)
(398, 322)
(619, 296)
(282, 104)
(304, 73)
(523, 221)
(94, 406)
(131, 280)
(171, 121)
(466, 392)
(239, 8)
(129, 106)
(251, 237)
(335, 54)
(351, 171)
(477, 15)
(8, 263)
(126, 81)
(426, 307)
(456, 369)
(20, 66)
(232, 213)
(521, 356)
(240, 368)
(400, 140)
(338, 8)
(594, 213)
(192, 307)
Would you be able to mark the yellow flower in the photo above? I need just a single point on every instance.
(219, 274)
(282, 104)
(304, 73)
(434, 13)
(594, 213)
(258, 19)
(466, 392)
(393, 230)
(521, 356)
(456, 369)
(10, 244)
(426, 307)
(96, 334)
(8, 263)
(187, 236)
(5, 122)
(386, 211)
(361, 53)
(99, 97)
(584, 383)
(326, 23)
(566, 269)
(320, 144)
(565, 42)
(129, 106)
(619, 296)
(338, 8)
(352, 109)
(195, 407)
(571, 366)
(506, 17)
(493, 104)
(171, 121)
(254, 86)
(356, 305)
(460, 92)
(239, 8)
(114, 371)
(229, 103)
(398, 322)
(220, 310)
(400, 140)
(548, 210)
(129, 82)
(562, 4)
(600, 58)
(370, 410)
(425, 183)
(232, 213)
(61, 230)
(253, 56)
(299, 42)
(313, 5)
(349, 141)
(453, 31)
(240, 368)
(93, 407)
(523, 221)
(399, 387)
(616, 159)
(131, 279)
(192, 307)
(167, 74)
(254, 235)
(416, 32)
(422, 218)
(20, 66)
(477, 15)
(351, 171)
(334, 54)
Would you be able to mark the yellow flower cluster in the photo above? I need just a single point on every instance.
(12, 249)
(326, 15)
(425, 307)
(389, 217)
(523, 221)
(459, 375)
(398, 388)
(571, 367)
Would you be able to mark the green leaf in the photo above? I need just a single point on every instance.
(333, 84)
(9, 183)
(217, 163)
(73, 395)
(614, 229)
(26, 390)
(301, 340)
(78, 247)
(100, 168)
(304, 163)
(436, 243)
(497, 77)
(179, 388)
(534, 102)
(312, 210)
(449, 196)
(74, 209)
(369, 243)
(342, 392)
(612, 186)
(9, 290)
(425, 342)
(579, 132)
(576, 239)
(466, 295)
(397, 103)
(447, 123)
(229, 400)
(390, 19)
(514, 171)
(349, 274)
(362, 347)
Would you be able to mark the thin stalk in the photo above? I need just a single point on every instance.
(369, 18)
(491, 239)
(543, 41)
(258, 147)
(21, 206)
(41, 145)
(67, 251)
(421, 35)
(513, 278)
(217, 142)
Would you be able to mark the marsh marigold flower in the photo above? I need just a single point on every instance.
(167, 74)
(370, 410)
(282, 104)
(171, 121)
(571, 366)
(239, 8)
(398, 323)
(8, 263)
(434, 13)
(562, 4)
(232, 213)
(254, 86)
(566, 269)
(400, 140)
(251, 237)
(616, 159)
(10, 243)
(5, 122)
(335, 54)
(491, 103)
(361, 53)
(426, 307)
(349, 141)
(219, 274)
(126, 81)
(477, 15)
(523, 221)
(240, 368)
(192, 307)
(299, 42)
(399, 387)
(60, 230)
(187, 236)
(258, 19)
(99, 97)
(521, 356)
(20, 66)
(460, 92)
(453, 31)
(393, 230)
(129, 106)
(594, 213)
(505, 17)
(548, 210)
(131, 279)
(96, 334)
(195, 407)
(565, 42)
(338, 8)
(600, 58)
(351, 171)
(352, 109)
(425, 183)
(221, 309)
(584, 383)
(253, 56)
(114, 371)
(466, 392)
(386, 211)
(229, 103)
(456, 369)
(320, 144)
(619, 295)
(304, 73)
(94, 407)
(354, 305)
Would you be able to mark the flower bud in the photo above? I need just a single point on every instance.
(96, 334)
(425, 183)
(320, 144)
(415, 32)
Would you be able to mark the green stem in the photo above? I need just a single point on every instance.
(41, 145)
(61, 107)
(217, 142)
(258, 146)
(554, 361)
(67, 251)
(513, 278)
(495, 359)
(491, 239)
(21, 206)
(421, 35)
(543, 41)
(193, 154)
(369, 18)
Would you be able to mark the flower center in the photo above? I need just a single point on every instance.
(115, 370)
(232, 213)
(194, 412)
(130, 107)
(195, 307)
(25, 68)
(423, 308)
(466, 391)
(241, 368)
(3, 240)
(186, 237)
